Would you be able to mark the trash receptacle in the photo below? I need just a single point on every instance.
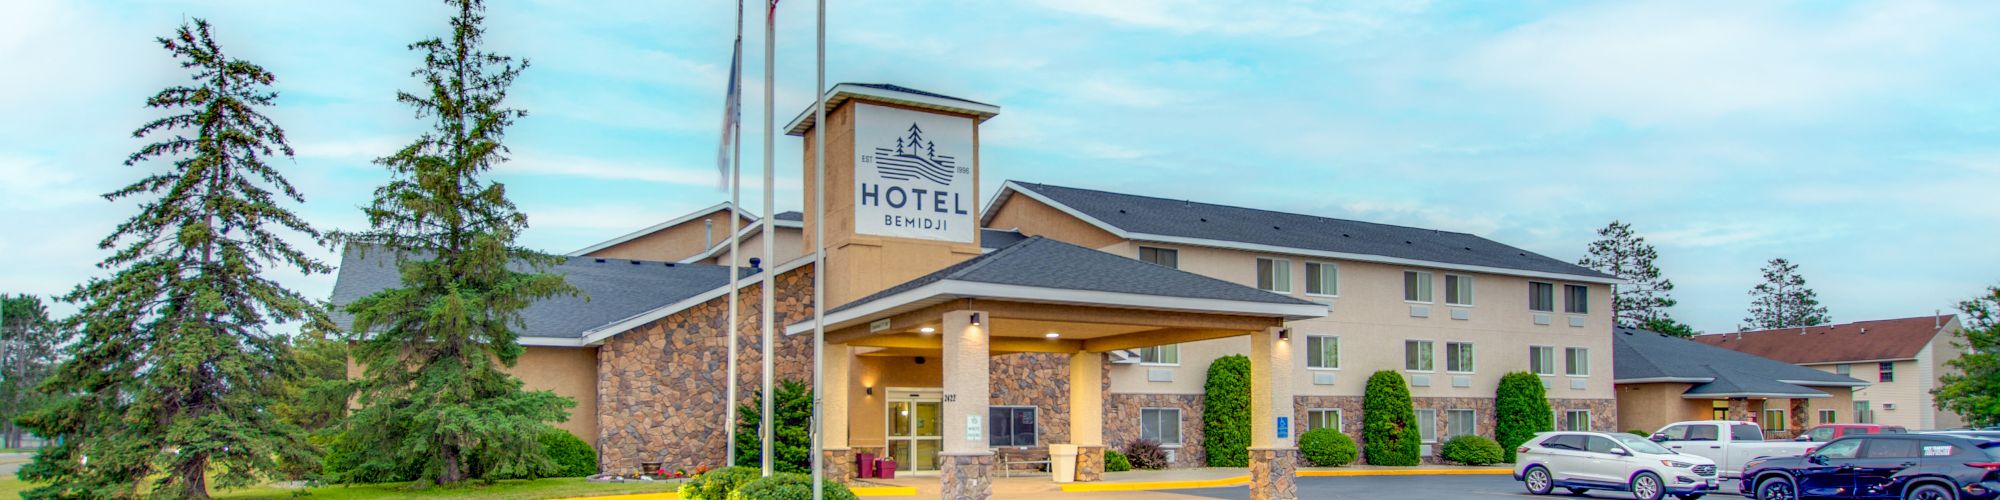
(864, 465)
(1062, 462)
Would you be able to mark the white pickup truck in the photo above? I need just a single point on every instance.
(1729, 443)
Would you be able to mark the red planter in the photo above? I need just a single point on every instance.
(864, 464)
(885, 468)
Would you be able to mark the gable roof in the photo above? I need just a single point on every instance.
(1038, 269)
(1164, 220)
(615, 289)
(1644, 356)
(1879, 340)
(657, 228)
(898, 94)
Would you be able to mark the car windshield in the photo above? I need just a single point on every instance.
(1639, 444)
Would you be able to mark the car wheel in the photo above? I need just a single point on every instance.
(1928, 492)
(1647, 486)
(1538, 481)
(1776, 488)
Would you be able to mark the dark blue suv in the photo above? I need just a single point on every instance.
(1894, 466)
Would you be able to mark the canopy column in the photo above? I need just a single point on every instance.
(967, 466)
(834, 450)
(1086, 413)
(1273, 457)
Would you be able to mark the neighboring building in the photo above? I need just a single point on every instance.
(1901, 358)
(1664, 379)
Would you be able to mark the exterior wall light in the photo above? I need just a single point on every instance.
(975, 319)
(1284, 334)
(926, 330)
(1052, 335)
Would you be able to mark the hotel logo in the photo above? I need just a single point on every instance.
(908, 177)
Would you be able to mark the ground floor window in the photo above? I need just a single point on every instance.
(1011, 425)
(1460, 423)
(1718, 410)
(1774, 420)
(1169, 354)
(1323, 418)
(1427, 425)
(1576, 420)
(1863, 414)
(1161, 424)
(1826, 416)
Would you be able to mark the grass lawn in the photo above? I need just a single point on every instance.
(514, 490)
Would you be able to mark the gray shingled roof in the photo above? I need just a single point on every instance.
(1188, 219)
(1644, 354)
(995, 239)
(1046, 263)
(617, 289)
(900, 88)
(794, 216)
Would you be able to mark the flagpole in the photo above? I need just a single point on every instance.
(735, 219)
(819, 263)
(770, 83)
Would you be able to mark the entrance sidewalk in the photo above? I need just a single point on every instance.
(1169, 479)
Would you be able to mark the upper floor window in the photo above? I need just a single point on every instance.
(1458, 357)
(1843, 369)
(1417, 355)
(1576, 362)
(1542, 360)
(1274, 275)
(1163, 256)
(1169, 354)
(1888, 371)
(1417, 286)
(1457, 290)
(1322, 278)
(1541, 296)
(1322, 351)
(1576, 299)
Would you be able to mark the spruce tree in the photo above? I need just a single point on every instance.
(434, 394)
(175, 371)
(1971, 387)
(1619, 252)
(30, 345)
(1783, 301)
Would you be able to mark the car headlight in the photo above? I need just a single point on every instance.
(1677, 465)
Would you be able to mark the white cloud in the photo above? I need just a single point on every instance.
(1252, 18)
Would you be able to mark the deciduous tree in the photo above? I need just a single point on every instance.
(1783, 301)
(1971, 388)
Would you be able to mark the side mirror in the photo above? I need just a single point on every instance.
(1659, 438)
(1802, 437)
(1817, 459)
(1620, 451)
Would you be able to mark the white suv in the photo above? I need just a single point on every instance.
(1583, 461)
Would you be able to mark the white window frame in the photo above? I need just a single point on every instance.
(1426, 281)
(1324, 266)
(1570, 305)
(1180, 425)
(1432, 429)
(1782, 423)
(1322, 339)
(1449, 358)
(1843, 369)
(1448, 421)
(1532, 358)
(1531, 296)
(1828, 416)
(1568, 368)
(1157, 349)
(1465, 284)
(1277, 286)
(1175, 252)
(1569, 418)
(1430, 347)
(1339, 418)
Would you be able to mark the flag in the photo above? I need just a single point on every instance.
(732, 112)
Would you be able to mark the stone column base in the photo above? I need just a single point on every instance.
(1274, 473)
(967, 476)
(1089, 463)
(839, 464)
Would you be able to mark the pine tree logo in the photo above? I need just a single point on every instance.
(915, 158)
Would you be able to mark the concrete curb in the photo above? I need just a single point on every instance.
(1242, 480)
(860, 491)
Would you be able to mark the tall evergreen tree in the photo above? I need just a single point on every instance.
(1783, 301)
(434, 394)
(1619, 252)
(175, 372)
(30, 345)
(1971, 388)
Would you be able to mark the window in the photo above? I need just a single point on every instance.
(1169, 354)
(1323, 418)
(1162, 256)
(1161, 424)
(1011, 425)
(1842, 449)
(1888, 371)
(1541, 297)
(1826, 416)
(1322, 278)
(1745, 432)
(1774, 419)
(1274, 275)
(1576, 420)
(1322, 351)
(1576, 362)
(1843, 369)
(1417, 286)
(1822, 434)
(1863, 413)
(1457, 290)
(1458, 357)
(1460, 423)
(1696, 432)
(1599, 444)
(1576, 299)
(1542, 360)
(1890, 448)
(1417, 355)
(1427, 425)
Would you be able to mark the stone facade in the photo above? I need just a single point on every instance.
(968, 477)
(1603, 412)
(1274, 474)
(1040, 380)
(1089, 463)
(1121, 423)
(839, 465)
(661, 393)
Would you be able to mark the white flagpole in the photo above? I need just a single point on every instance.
(735, 219)
(770, 83)
(819, 263)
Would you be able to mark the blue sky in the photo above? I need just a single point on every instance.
(1858, 139)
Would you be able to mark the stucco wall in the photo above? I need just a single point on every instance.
(789, 245)
(570, 372)
(672, 243)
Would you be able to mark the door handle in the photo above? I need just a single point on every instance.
(1909, 464)
(1715, 447)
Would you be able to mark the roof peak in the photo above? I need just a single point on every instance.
(1238, 207)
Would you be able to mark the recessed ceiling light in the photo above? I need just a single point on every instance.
(1052, 335)
(927, 330)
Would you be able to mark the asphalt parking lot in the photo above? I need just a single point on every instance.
(1414, 487)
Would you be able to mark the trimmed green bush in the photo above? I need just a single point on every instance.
(1116, 462)
(1326, 447)
(790, 486)
(1471, 450)
(1146, 454)
(1521, 410)
(793, 445)
(1225, 412)
(717, 484)
(576, 458)
(1389, 433)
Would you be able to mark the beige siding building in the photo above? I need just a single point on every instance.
(1902, 360)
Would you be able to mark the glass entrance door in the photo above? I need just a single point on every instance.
(915, 432)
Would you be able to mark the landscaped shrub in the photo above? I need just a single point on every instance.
(1225, 412)
(1389, 433)
(1326, 447)
(347, 462)
(575, 457)
(1471, 450)
(716, 484)
(1116, 462)
(1146, 454)
(1521, 410)
(790, 486)
(792, 444)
